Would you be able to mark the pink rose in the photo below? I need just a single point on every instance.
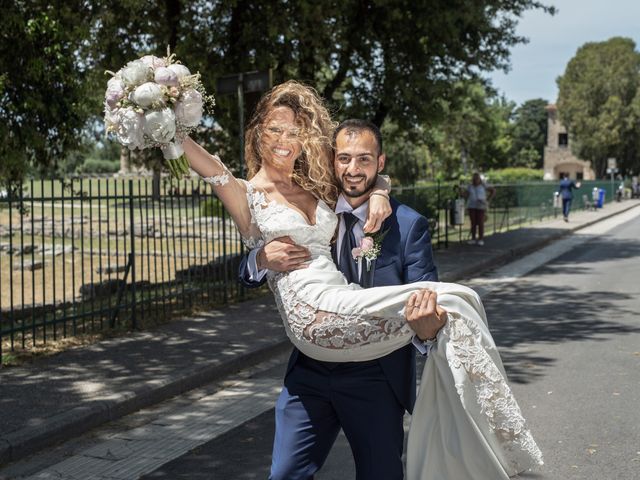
(366, 243)
(356, 252)
(153, 61)
(165, 76)
(179, 70)
(189, 108)
(115, 91)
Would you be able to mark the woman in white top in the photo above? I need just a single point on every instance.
(478, 196)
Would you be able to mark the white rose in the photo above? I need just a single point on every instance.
(179, 70)
(153, 61)
(130, 128)
(115, 91)
(160, 125)
(189, 108)
(166, 76)
(147, 94)
(135, 73)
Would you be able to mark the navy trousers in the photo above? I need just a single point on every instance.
(317, 400)
(566, 207)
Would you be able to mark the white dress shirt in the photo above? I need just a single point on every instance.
(360, 212)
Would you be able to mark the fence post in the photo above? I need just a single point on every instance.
(438, 210)
(132, 259)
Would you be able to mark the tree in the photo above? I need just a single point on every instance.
(43, 87)
(474, 134)
(356, 53)
(408, 159)
(529, 134)
(599, 102)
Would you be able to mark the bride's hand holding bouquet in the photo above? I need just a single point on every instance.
(155, 102)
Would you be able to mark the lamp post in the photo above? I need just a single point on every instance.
(239, 84)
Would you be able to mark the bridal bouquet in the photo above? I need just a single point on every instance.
(155, 102)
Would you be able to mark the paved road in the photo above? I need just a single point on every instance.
(569, 335)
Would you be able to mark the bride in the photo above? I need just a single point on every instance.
(466, 423)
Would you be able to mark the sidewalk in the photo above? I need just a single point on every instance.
(62, 396)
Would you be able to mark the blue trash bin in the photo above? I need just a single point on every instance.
(601, 194)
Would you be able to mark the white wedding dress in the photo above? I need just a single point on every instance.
(466, 424)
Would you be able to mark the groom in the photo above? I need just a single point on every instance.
(366, 399)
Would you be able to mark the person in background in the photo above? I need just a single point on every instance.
(478, 196)
(566, 192)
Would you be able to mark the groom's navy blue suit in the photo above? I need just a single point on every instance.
(366, 399)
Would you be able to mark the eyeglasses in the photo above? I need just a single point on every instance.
(280, 130)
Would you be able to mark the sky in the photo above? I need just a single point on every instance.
(554, 40)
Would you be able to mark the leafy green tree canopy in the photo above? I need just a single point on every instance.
(529, 134)
(377, 59)
(599, 102)
(43, 89)
(475, 132)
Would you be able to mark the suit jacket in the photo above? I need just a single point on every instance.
(406, 256)
(566, 188)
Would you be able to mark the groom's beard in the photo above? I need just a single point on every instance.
(354, 191)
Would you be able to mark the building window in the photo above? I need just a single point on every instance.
(563, 140)
(579, 176)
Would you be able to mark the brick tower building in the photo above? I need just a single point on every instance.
(558, 158)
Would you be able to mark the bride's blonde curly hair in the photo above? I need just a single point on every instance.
(313, 170)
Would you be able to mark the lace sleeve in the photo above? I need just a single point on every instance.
(252, 238)
(231, 191)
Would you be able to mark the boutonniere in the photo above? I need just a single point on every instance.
(369, 248)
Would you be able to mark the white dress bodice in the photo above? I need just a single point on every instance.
(275, 220)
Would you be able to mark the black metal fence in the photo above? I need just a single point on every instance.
(513, 206)
(83, 255)
(89, 255)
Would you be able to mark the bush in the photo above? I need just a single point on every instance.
(94, 165)
(514, 175)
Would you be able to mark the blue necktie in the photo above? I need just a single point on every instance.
(348, 265)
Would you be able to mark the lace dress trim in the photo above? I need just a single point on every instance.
(334, 330)
(490, 390)
(218, 180)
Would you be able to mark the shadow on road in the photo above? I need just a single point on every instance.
(530, 314)
(602, 248)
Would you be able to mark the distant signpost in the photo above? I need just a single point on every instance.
(241, 83)
(612, 169)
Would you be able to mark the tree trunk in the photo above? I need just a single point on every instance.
(381, 113)
(173, 10)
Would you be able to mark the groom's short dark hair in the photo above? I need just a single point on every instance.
(358, 125)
